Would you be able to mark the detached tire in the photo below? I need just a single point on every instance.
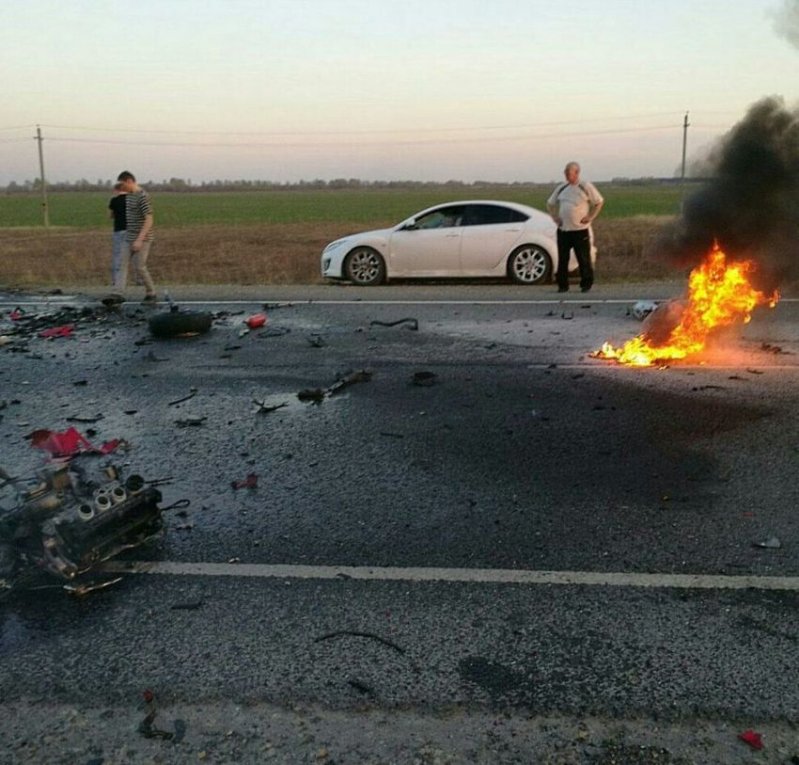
(180, 323)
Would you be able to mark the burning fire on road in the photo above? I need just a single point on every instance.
(748, 205)
(720, 294)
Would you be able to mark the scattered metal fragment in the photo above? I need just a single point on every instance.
(755, 372)
(775, 349)
(274, 332)
(191, 605)
(191, 422)
(192, 394)
(85, 418)
(354, 633)
(316, 341)
(160, 481)
(362, 375)
(410, 322)
(84, 589)
(643, 308)
(771, 543)
(424, 379)
(148, 729)
(264, 409)
(363, 688)
(180, 503)
(311, 394)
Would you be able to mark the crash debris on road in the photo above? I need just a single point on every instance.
(75, 512)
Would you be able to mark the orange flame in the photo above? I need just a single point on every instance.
(719, 294)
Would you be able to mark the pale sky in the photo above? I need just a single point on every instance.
(285, 90)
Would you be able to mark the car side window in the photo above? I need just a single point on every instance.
(484, 215)
(444, 217)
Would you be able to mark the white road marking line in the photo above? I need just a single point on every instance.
(448, 575)
(311, 301)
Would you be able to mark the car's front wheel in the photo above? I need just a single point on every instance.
(365, 267)
(530, 264)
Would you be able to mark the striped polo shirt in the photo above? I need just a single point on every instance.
(137, 207)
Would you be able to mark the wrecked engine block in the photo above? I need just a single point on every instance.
(71, 517)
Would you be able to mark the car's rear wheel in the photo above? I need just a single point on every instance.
(365, 267)
(530, 264)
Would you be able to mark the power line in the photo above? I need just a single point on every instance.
(332, 144)
(363, 131)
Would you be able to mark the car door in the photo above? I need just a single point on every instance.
(430, 246)
(490, 232)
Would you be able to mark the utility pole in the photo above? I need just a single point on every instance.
(41, 176)
(684, 144)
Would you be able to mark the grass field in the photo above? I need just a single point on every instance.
(89, 209)
(276, 237)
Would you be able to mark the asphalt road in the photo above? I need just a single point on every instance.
(397, 554)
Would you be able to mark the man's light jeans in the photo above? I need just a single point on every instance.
(116, 255)
(139, 261)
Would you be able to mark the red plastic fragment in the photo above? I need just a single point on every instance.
(753, 738)
(250, 482)
(68, 443)
(148, 695)
(64, 331)
(110, 446)
(256, 320)
(16, 314)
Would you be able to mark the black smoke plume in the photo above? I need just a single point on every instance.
(786, 21)
(751, 206)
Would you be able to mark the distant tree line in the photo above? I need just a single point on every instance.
(186, 185)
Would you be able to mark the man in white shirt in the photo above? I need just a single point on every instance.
(573, 206)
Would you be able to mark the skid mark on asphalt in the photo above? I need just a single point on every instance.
(476, 576)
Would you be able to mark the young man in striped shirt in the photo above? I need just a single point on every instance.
(139, 237)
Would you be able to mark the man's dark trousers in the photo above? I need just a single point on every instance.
(580, 242)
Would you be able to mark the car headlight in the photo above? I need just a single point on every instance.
(334, 245)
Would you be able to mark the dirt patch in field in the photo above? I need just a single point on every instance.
(280, 253)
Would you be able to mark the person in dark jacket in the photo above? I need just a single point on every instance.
(116, 208)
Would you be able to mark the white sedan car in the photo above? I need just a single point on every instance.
(456, 239)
